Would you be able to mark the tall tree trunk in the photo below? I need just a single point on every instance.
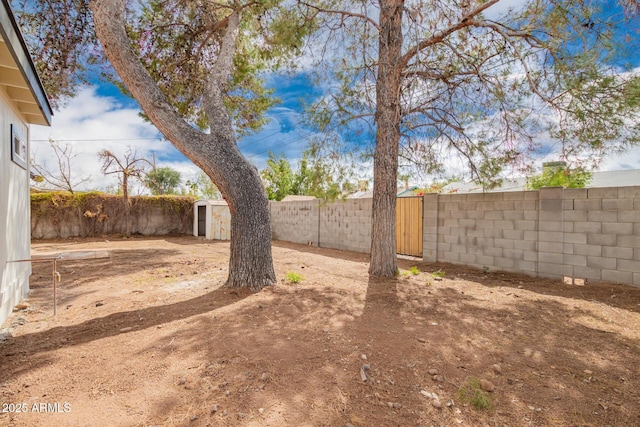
(250, 262)
(385, 160)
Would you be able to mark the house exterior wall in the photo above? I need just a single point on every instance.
(14, 214)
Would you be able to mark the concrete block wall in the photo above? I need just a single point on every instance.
(346, 225)
(342, 225)
(591, 234)
(495, 230)
(602, 234)
(295, 221)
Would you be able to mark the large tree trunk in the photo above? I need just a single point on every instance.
(385, 159)
(250, 263)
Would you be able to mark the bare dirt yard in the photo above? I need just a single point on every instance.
(150, 337)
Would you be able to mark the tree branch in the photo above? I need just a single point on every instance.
(344, 14)
(110, 28)
(438, 36)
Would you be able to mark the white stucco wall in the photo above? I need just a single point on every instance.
(14, 214)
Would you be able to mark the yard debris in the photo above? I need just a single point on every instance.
(363, 372)
(435, 401)
(422, 340)
(497, 368)
(429, 395)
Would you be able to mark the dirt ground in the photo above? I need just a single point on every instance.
(149, 337)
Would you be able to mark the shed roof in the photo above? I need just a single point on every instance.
(18, 75)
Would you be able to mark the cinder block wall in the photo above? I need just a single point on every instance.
(346, 225)
(342, 225)
(589, 234)
(295, 221)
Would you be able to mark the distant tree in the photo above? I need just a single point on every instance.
(278, 177)
(202, 186)
(315, 176)
(128, 166)
(560, 175)
(322, 176)
(164, 180)
(60, 176)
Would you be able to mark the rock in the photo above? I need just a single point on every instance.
(182, 381)
(429, 395)
(127, 329)
(261, 411)
(397, 405)
(195, 417)
(588, 372)
(349, 425)
(214, 409)
(433, 372)
(390, 405)
(487, 385)
(240, 416)
(422, 340)
(363, 357)
(438, 378)
(436, 404)
(21, 306)
(497, 368)
(99, 304)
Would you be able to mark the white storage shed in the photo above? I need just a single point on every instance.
(212, 220)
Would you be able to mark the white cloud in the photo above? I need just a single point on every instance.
(503, 7)
(90, 123)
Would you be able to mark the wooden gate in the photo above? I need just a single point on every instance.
(409, 226)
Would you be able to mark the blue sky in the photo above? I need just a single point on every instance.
(101, 117)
